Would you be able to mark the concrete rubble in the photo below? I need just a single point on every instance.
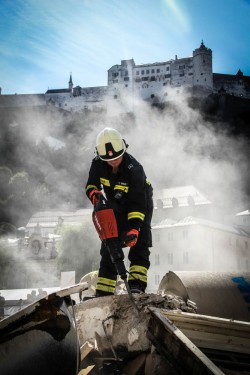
(166, 337)
(117, 336)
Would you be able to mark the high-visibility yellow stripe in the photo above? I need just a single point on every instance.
(140, 269)
(91, 187)
(138, 272)
(138, 276)
(121, 187)
(104, 288)
(105, 281)
(136, 215)
(104, 181)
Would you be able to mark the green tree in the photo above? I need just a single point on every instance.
(78, 250)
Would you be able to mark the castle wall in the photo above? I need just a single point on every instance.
(128, 82)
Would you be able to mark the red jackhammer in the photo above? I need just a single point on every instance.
(106, 227)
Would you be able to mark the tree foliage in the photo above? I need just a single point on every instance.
(78, 250)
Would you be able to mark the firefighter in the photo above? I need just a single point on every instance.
(122, 179)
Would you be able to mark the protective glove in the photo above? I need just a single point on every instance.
(131, 237)
(95, 196)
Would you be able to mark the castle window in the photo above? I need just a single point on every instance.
(181, 66)
(147, 71)
(152, 78)
(167, 68)
(181, 75)
(126, 78)
(167, 75)
(142, 72)
(138, 80)
(115, 80)
(126, 73)
(152, 70)
(114, 74)
(144, 78)
(157, 70)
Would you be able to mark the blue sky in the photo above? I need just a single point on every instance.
(42, 41)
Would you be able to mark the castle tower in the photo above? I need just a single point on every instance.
(70, 83)
(202, 68)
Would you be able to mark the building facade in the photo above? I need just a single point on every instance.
(153, 83)
(195, 244)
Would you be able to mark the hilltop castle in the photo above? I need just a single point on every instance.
(128, 82)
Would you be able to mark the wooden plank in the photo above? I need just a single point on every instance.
(86, 370)
(85, 349)
(211, 332)
(72, 289)
(177, 348)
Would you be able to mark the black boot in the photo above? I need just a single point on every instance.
(137, 286)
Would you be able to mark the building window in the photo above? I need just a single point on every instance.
(138, 80)
(152, 96)
(142, 72)
(181, 66)
(147, 71)
(126, 78)
(157, 259)
(167, 76)
(157, 70)
(167, 68)
(137, 72)
(170, 258)
(185, 234)
(185, 257)
(126, 73)
(144, 78)
(157, 279)
(181, 75)
(115, 96)
(157, 237)
(152, 70)
(126, 85)
(152, 78)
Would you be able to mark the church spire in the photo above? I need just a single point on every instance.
(70, 82)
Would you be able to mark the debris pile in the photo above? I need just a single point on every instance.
(116, 337)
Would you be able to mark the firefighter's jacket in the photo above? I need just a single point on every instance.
(128, 191)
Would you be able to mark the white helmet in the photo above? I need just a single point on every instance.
(110, 145)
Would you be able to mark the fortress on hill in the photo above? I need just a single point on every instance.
(152, 83)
